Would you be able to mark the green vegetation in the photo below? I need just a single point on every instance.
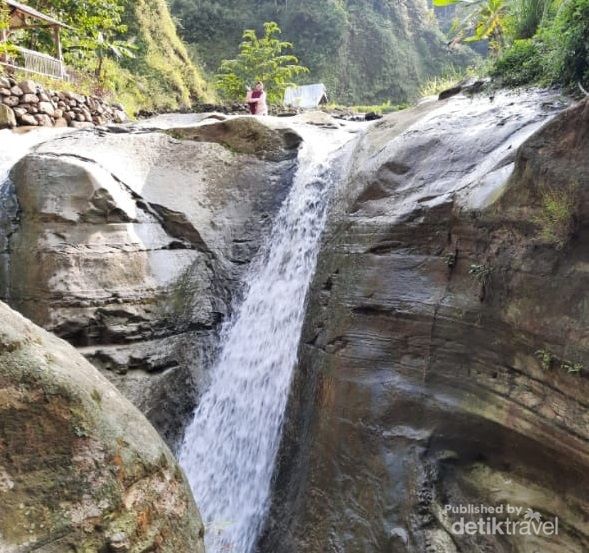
(549, 360)
(259, 59)
(572, 367)
(447, 79)
(6, 48)
(535, 41)
(364, 52)
(557, 217)
(483, 20)
(165, 77)
(123, 48)
(481, 273)
(450, 258)
(546, 359)
(382, 109)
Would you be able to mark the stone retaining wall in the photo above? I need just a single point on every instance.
(27, 103)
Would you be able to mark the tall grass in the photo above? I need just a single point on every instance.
(449, 78)
(557, 217)
(527, 16)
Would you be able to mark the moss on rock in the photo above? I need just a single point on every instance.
(78, 474)
(245, 135)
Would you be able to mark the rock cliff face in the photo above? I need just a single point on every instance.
(80, 468)
(131, 245)
(445, 354)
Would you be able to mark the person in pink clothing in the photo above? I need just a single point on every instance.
(256, 100)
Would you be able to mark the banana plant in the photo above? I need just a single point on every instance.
(485, 19)
(110, 47)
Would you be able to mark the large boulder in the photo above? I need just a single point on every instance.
(132, 246)
(80, 468)
(7, 117)
(445, 355)
(246, 135)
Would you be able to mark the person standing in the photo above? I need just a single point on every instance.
(256, 100)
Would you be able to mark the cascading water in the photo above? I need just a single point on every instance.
(230, 447)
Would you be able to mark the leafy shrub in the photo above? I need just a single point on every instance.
(568, 41)
(520, 64)
(557, 53)
(527, 16)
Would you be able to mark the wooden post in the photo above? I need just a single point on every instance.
(4, 51)
(57, 39)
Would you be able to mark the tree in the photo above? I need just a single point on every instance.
(259, 59)
(6, 46)
(97, 31)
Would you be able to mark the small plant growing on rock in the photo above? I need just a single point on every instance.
(180, 301)
(546, 358)
(557, 218)
(450, 259)
(572, 367)
(482, 273)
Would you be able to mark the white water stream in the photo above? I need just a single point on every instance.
(230, 447)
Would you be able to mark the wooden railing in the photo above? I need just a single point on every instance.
(36, 63)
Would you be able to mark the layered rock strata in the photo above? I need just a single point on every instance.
(445, 354)
(132, 245)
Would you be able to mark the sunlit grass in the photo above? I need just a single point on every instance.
(382, 109)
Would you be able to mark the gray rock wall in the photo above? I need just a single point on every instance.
(132, 246)
(423, 379)
(28, 104)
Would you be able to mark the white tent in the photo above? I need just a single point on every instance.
(309, 96)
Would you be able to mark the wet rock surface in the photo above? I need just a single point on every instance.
(445, 354)
(80, 468)
(131, 245)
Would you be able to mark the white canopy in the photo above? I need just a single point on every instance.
(308, 96)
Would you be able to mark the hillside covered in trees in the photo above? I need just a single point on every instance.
(363, 51)
(126, 48)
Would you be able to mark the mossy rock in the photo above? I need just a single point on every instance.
(245, 135)
(80, 468)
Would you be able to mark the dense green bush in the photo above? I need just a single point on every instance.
(129, 48)
(557, 53)
(568, 41)
(520, 64)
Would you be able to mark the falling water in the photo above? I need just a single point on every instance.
(230, 447)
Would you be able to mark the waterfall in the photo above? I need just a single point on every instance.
(230, 447)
